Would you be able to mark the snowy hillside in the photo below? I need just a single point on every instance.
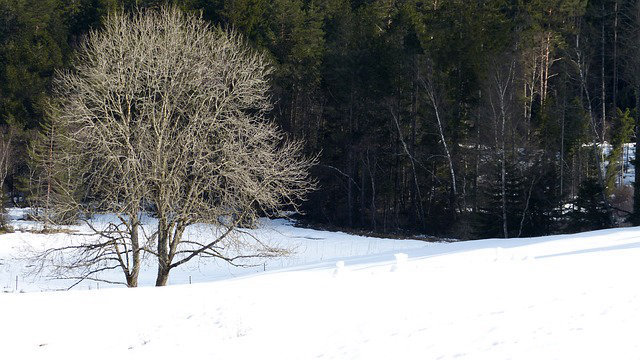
(561, 297)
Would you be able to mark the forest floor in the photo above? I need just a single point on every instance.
(559, 297)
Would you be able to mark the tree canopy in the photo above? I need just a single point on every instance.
(451, 118)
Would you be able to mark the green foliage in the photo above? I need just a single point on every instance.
(623, 128)
(34, 44)
(348, 79)
(589, 210)
(490, 219)
(543, 213)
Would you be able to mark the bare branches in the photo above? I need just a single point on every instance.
(167, 114)
(432, 96)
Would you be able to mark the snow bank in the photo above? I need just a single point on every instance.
(561, 297)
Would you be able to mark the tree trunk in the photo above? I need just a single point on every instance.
(363, 193)
(603, 88)
(452, 173)
(636, 186)
(163, 254)
(596, 149)
(562, 134)
(47, 215)
(134, 271)
(503, 185)
(615, 55)
(350, 187)
(163, 277)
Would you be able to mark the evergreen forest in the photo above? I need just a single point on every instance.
(457, 119)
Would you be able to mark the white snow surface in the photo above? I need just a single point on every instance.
(344, 297)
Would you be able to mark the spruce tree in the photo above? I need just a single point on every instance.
(489, 221)
(589, 210)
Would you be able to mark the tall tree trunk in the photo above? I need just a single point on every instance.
(562, 134)
(363, 194)
(615, 54)
(596, 148)
(502, 85)
(350, 159)
(47, 215)
(416, 199)
(635, 219)
(476, 169)
(503, 175)
(603, 86)
(452, 173)
(418, 195)
(372, 175)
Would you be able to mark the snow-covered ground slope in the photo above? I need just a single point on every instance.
(310, 248)
(561, 297)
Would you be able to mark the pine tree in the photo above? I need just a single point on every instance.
(621, 134)
(589, 210)
(543, 215)
(489, 221)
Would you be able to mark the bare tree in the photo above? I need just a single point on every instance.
(501, 94)
(167, 114)
(433, 97)
(582, 70)
(48, 178)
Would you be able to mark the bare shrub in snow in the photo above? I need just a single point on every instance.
(167, 114)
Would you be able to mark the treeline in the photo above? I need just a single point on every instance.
(460, 118)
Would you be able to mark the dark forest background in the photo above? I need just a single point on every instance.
(453, 118)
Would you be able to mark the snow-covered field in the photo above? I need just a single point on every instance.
(562, 297)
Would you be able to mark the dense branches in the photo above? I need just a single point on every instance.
(165, 113)
(398, 97)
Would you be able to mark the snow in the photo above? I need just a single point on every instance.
(348, 297)
(628, 161)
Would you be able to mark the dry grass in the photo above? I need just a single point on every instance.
(48, 231)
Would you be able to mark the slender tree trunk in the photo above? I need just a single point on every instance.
(615, 55)
(452, 173)
(596, 148)
(502, 84)
(503, 178)
(350, 161)
(372, 175)
(363, 189)
(636, 186)
(416, 199)
(454, 186)
(603, 86)
(350, 188)
(477, 169)
(526, 208)
(546, 62)
(563, 120)
(47, 215)
(396, 183)
(418, 195)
